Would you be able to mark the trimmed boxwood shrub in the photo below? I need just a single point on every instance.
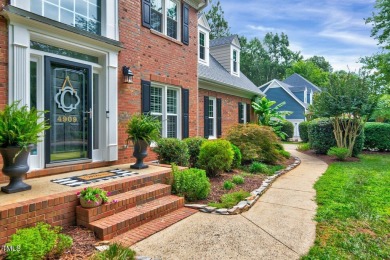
(215, 156)
(256, 143)
(194, 144)
(192, 184)
(321, 137)
(377, 136)
(172, 150)
(237, 157)
(288, 129)
(303, 131)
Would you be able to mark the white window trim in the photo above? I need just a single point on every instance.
(305, 96)
(164, 113)
(214, 136)
(206, 61)
(243, 112)
(311, 97)
(164, 27)
(237, 73)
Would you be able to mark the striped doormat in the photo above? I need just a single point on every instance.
(94, 177)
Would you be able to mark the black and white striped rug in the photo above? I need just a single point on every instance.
(94, 177)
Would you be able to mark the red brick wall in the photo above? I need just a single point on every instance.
(229, 109)
(152, 56)
(3, 71)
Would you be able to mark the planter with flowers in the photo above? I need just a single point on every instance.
(92, 197)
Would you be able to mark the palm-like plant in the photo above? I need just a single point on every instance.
(143, 127)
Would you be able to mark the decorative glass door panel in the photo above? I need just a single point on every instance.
(68, 100)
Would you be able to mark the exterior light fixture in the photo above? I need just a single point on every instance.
(127, 75)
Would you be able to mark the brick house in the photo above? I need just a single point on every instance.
(67, 57)
(225, 93)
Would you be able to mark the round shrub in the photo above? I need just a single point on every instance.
(237, 157)
(228, 185)
(237, 179)
(303, 131)
(172, 150)
(287, 128)
(194, 144)
(256, 143)
(321, 137)
(192, 184)
(340, 153)
(215, 157)
(377, 136)
(257, 167)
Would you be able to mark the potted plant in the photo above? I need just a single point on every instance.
(20, 129)
(142, 130)
(92, 197)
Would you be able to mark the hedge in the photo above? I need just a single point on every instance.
(288, 129)
(303, 133)
(321, 137)
(377, 136)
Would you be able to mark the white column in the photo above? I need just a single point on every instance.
(112, 107)
(19, 67)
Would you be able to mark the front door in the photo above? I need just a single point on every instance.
(69, 111)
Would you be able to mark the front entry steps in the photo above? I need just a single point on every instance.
(136, 215)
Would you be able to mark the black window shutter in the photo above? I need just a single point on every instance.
(185, 111)
(206, 117)
(186, 24)
(145, 95)
(219, 117)
(248, 113)
(240, 113)
(146, 13)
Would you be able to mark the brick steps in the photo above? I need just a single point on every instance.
(119, 223)
(124, 200)
(139, 233)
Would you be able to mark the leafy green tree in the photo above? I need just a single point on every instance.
(269, 114)
(262, 61)
(321, 63)
(381, 23)
(349, 100)
(310, 71)
(218, 25)
(378, 69)
(382, 109)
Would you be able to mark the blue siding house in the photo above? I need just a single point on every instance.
(297, 92)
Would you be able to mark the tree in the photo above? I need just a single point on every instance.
(218, 25)
(262, 61)
(270, 115)
(321, 63)
(310, 71)
(377, 66)
(349, 100)
(381, 23)
(382, 109)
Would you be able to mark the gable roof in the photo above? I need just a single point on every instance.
(228, 40)
(217, 73)
(298, 89)
(286, 87)
(297, 80)
(202, 22)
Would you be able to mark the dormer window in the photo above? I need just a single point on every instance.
(234, 61)
(164, 17)
(202, 46)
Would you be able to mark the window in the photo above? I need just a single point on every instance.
(85, 14)
(234, 61)
(165, 17)
(212, 118)
(202, 46)
(164, 104)
(242, 113)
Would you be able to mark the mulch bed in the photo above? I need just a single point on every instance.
(83, 243)
(328, 159)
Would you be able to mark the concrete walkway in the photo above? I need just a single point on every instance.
(279, 226)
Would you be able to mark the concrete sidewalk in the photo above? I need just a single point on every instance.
(279, 226)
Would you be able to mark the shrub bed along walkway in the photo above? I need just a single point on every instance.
(279, 226)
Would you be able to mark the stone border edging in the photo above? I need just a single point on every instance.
(246, 204)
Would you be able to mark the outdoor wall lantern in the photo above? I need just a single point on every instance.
(127, 75)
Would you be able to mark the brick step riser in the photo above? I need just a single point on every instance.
(86, 216)
(124, 226)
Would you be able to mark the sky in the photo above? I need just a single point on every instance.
(334, 29)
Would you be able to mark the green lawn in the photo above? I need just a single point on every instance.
(354, 210)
